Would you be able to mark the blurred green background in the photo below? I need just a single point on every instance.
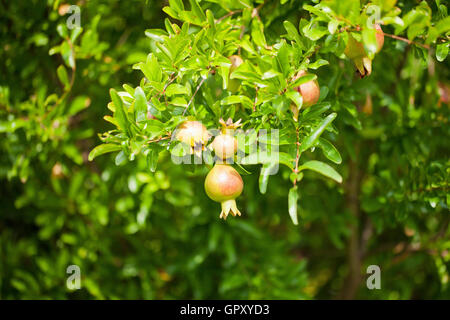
(141, 235)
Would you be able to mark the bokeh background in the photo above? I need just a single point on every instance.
(141, 235)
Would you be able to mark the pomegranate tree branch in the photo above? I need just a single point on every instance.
(297, 157)
(393, 36)
(256, 99)
(159, 139)
(193, 96)
(353, 185)
(229, 14)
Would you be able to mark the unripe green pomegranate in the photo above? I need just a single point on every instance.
(194, 134)
(356, 52)
(225, 146)
(310, 90)
(224, 184)
(234, 84)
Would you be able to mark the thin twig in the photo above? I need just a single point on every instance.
(159, 139)
(297, 158)
(256, 99)
(229, 14)
(393, 36)
(193, 96)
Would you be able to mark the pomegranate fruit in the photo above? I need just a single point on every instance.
(194, 134)
(356, 52)
(225, 146)
(310, 90)
(224, 184)
(234, 84)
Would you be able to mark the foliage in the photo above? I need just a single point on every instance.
(363, 173)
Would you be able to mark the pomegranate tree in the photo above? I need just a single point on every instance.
(193, 77)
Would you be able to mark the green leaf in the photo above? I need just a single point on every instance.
(266, 170)
(351, 116)
(176, 88)
(302, 80)
(62, 30)
(322, 168)
(270, 74)
(273, 157)
(211, 21)
(292, 204)
(120, 114)
(258, 33)
(78, 104)
(311, 139)
(153, 67)
(314, 31)
(312, 113)
(156, 34)
(247, 103)
(198, 11)
(293, 33)
(75, 33)
(67, 55)
(442, 51)
(176, 5)
(102, 149)
(443, 25)
(140, 104)
(370, 41)
(317, 64)
(283, 59)
(295, 97)
(330, 151)
(332, 26)
(152, 159)
(62, 75)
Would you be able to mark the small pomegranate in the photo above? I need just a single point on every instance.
(194, 134)
(310, 90)
(224, 184)
(225, 146)
(356, 52)
(234, 84)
